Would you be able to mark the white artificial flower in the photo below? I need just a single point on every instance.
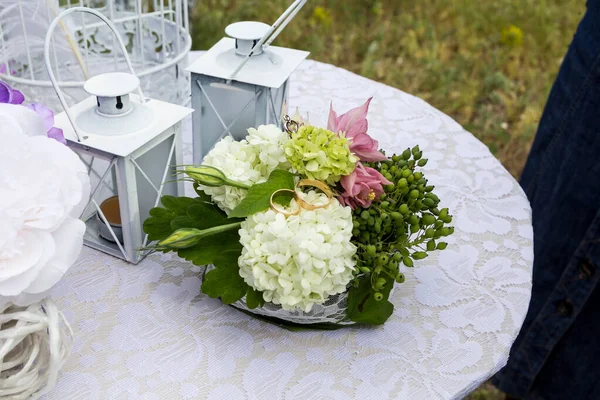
(248, 161)
(17, 121)
(43, 189)
(299, 260)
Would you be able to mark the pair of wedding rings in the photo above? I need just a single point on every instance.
(296, 194)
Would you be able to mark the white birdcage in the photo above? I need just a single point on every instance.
(155, 32)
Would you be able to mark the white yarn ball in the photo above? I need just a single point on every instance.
(35, 341)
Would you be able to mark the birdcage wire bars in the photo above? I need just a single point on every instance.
(155, 32)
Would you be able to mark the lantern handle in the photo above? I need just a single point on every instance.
(273, 31)
(55, 84)
(292, 13)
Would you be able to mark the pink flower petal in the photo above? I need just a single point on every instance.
(332, 121)
(366, 148)
(348, 181)
(373, 172)
(362, 183)
(354, 122)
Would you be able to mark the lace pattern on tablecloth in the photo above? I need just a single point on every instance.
(146, 332)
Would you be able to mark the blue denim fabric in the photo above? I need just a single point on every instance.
(557, 352)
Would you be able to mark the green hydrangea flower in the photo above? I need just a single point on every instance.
(320, 154)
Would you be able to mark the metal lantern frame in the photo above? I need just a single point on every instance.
(158, 41)
(268, 93)
(263, 98)
(121, 156)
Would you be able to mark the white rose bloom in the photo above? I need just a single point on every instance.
(43, 189)
(248, 161)
(300, 260)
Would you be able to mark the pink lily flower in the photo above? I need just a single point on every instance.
(362, 187)
(354, 125)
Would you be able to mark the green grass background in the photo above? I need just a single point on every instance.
(489, 64)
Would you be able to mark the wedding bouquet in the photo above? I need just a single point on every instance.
(307, 225)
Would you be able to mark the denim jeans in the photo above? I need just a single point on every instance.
(557, 352)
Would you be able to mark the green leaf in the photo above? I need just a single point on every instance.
(158, 225)
(225, 281)
(207, 215)
(259, 195)
(201, 215)
(254, 298)
(364, 309)
(177, 204)
(192, 213)
(211, 247)
(182, 222)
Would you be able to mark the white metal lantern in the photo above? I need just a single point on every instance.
(130, 144)
(242, 82)
(156, 35)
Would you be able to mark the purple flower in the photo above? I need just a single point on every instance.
(48, 117)
(9, 95)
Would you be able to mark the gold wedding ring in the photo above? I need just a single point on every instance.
(317, 184)
(280, 210)
(296, 194)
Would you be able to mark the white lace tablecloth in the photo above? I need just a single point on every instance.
(146, 332)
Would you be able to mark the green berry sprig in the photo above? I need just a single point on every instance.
(402, 227)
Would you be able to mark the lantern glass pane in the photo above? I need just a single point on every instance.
(103, 183)
(154, 163)
(276, 100)
(106, 188)
(234, 107)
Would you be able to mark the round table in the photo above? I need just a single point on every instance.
(147, 332)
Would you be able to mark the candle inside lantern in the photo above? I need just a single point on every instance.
(110, 209)
(112, 212)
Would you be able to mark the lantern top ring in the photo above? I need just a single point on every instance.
(247, 30)
(111, 84)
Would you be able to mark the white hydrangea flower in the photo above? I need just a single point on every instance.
(248, 161)
(237, 160)
(300, 260)
(269, 140)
